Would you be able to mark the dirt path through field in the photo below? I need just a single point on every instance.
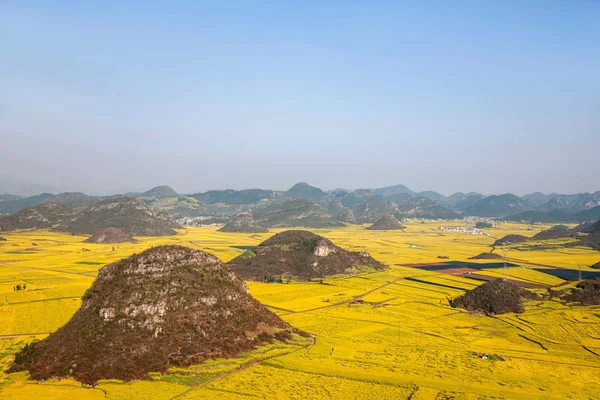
(244, 367)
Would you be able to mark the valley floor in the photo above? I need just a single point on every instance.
(377, 335)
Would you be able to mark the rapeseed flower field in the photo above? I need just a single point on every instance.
(377, 335)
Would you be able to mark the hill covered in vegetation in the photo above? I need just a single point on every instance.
(169, 306)
(125, 213)
(299, 255)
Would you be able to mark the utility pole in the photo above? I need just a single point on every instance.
(504, 252)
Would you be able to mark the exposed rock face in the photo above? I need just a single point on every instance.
(36, 217)
(510, 239)
(161, 192)
(495, 297)
(341, 213)
(386, 223)
(130, 215)
(110, 235)
(486, 256)
(298, 254)
(168, 306)
(242, 222)
(293, 213)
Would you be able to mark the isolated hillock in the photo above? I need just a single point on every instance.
(160, 192)
(486, 256)
(495, 297)
(242, 222)
(483, 225)
(510, 239)
(586, 293)
(294, 213)
(130, 215)
(386, 223)
(2, 239)
(169, 306)
(40, 216)
(595, 266)
(110, 235)
(74, 200)
(298, 254)
(304, 190)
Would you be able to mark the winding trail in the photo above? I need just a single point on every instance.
(244, 367)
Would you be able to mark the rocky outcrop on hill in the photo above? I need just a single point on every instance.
(110, 235)
(341, 213)
(294, 213)
(510, 239)
(495, 297)
(297, 254)
(40, 216)
(386, 223)
(242, 222)
(169, 306)
(130, 215)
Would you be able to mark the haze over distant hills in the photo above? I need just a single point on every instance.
(307, 205)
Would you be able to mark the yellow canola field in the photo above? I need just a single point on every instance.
(378, 335)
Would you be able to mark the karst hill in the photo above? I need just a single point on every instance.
(130, 215)
(298, 254)
(168, 306)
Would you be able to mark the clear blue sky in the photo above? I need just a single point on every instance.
(449, 96)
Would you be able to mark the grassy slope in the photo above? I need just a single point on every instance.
(405, 340)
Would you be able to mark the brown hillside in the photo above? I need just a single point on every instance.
(587, 293)
(495, 297)
(510, 239)
(122, 212)
(486, 256)
(299, 254)
(386, 223)
(110, 235)
(168, 306)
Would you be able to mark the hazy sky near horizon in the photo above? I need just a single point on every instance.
(492, 97)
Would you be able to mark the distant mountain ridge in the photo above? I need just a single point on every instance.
(348, 206)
